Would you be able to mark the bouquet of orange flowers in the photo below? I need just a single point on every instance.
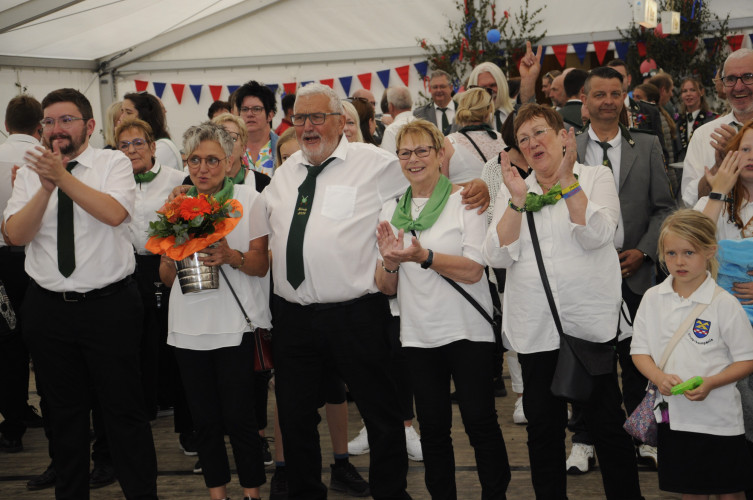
(189, 224)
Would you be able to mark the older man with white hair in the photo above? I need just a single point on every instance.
(706, 148)
(489, 76)
(399, 103)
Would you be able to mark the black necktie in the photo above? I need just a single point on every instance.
(303, 205)
(737, 126)
(605, 161)
(66, 246)
(690, 117)
(498, 120)
(445, 121)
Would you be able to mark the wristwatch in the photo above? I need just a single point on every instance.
(429, 260)
(720, 197)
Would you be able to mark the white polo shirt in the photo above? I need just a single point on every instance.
(104, 253)
(721, 335)
(12, 153)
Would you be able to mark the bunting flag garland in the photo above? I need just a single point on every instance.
(178, 89)
(345, 81)
(216, 91)
(303, 84)
(196, 91)
(622, 49)
(712, 45)
(581, 49)
(403, 73)
(735, 42)
(365, 80)
(273, 87)
(141, 85)
(690, 45)
(159, 89)
(601, 48)
(329, 82)
(384, 77)
(422, 67)
(560, 52)
(641, 49)
(232, 88)
(290, 88)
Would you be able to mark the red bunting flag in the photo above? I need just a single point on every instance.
(329, 82)
(641, 49)
(403, 73)
(216, 91)
(290, 88)
(560, 52)
(601, 50)
(735, 42)
(141, 85)
(365, 80)
(178, 89)
(689, 46)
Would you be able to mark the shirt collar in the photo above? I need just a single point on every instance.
(615, 141)
(704, 294)
(450, 105)
(87, 157)
(26, 139)
(695, 114)
(340, 152)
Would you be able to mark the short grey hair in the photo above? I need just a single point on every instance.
(738, 54)
(437, 73)
(313, 88)
(207, 131)
(399, 97)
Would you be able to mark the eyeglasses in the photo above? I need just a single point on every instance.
(421, 152)
(196, 161)
(254, 110)
(235, 136)
(136, 143)
(489, 90)
(525, 141)
(315, 118)
(731, 80)
(65, 121)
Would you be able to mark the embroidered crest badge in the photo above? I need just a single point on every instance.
(701, 328)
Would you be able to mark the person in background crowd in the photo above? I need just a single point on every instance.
(366, 120)
(489, 76)
(147, 107)
(256, 105)
(557, 92)
(217, 108)
(239, 172)
(286, 146)
(694, 112)
(368, 97)
(112, 118)
(663, 82)
(399, 104)
(441, 110)
(546, 82)
(572, 82)
(287, 110)
(352, 128)
(648, 92)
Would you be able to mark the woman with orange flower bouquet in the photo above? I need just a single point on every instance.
(213, 343)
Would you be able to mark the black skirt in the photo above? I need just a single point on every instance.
(703, 464)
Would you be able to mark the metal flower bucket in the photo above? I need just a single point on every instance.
(194, 276)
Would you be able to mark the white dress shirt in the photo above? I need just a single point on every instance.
(582, 266)
(12, 153)
(150, 196)
(104, 254)
(729, 338)
(168, 154)
(340, 247)
(700, 154)
(390, 133)
(595, 156)
(450, 112)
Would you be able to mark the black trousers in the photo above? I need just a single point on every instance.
(400, 369)
(547, 418)
(80, 346)
(219, 386)
(351, 340)
(469, 365)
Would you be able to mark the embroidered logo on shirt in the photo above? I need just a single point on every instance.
(701, 328)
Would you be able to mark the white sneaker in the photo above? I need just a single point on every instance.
(413, 445)
(359, 445)
(580, 459)
(648, 455)
(518, 415)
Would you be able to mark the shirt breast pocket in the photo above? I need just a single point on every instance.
(339, 202)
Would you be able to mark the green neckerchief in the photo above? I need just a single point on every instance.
(240, 177)
(535, 202)
(147, 176)
(402, 218)
(222, 195)
(484, 126)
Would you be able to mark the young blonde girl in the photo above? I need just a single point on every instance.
(702, 449)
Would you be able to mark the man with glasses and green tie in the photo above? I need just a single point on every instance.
(706, 148)
(441, 110)
(83, 314)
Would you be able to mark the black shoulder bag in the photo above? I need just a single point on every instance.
(578, 360)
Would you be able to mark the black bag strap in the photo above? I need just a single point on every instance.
(474, 144)
(467, 296)
(542, 272)
(237, 300)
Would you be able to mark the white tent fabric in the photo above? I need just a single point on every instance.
(227, 42)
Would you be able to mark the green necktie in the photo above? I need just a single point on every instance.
(605, 146)
(66, 246)
(445, 121)
(294, 251)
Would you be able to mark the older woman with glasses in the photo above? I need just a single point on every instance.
(429, 243)
(575, 209)
(213, 343)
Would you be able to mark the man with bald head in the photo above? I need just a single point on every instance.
(557, 91)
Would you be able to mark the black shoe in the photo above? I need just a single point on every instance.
(42, 481)
(197, 468)
(10, 445)
(499, 387)
(278, 485)
(32, 418)
(266, 454)
(101, 476)
(346, 478)
(187, 443)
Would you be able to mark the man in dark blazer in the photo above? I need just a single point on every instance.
(441, 110)
(636, 161)
(573, 83)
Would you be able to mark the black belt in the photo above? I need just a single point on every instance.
(91, 294)
(332, 305)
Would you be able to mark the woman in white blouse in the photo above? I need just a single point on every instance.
(575, 231)
(213, 343)
(424, 237)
